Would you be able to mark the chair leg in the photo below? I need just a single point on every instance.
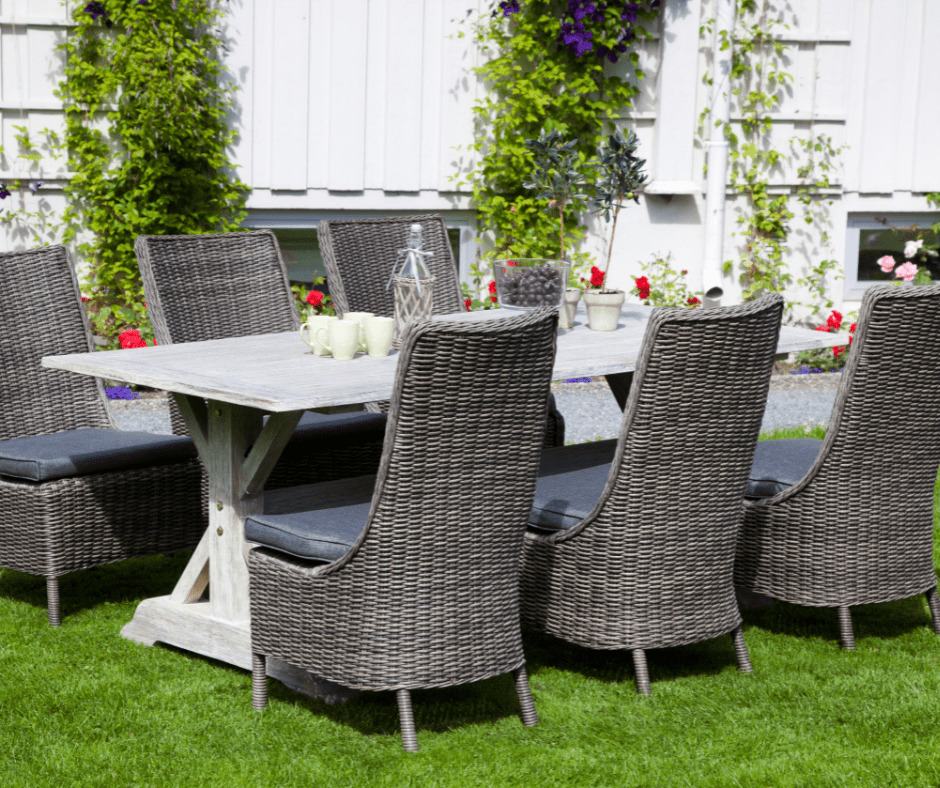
(259, 681)
(933, 600)
(529, 715)
(740, 648)
(846, 634)
(52, 601)
(409, 739)
(642, 675)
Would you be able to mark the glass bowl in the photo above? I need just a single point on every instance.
(530, 283)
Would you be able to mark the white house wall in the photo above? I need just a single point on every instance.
(365, 107)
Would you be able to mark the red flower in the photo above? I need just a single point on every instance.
(314, 298)
(837, 351)
(834, 322)
(823, 328)
(692, 301)
(510, 262)
(493, 298)
(131, 338)
(84, 299)
(154, 341)
(643, 283)
(493, 287)
(683, 272)
(644, 293)
(466, 303)
(852, 328)
(597, 278)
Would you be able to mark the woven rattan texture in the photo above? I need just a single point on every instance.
(858, 528)
(202, 287)
(651, 565)
(39, 401)
(85, 521)
(52, 528)
(428, 595)
(359, 255)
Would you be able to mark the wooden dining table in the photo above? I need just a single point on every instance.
(224, 388)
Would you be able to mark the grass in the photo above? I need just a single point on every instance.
(80, 706)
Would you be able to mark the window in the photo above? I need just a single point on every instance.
(870, 238)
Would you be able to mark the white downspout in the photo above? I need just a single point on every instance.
(717, 157)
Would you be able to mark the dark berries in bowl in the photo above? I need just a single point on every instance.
(530, 283)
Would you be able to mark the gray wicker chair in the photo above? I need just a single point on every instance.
(425, 591)
(213, 286)
(359, 254)
(849, 520)
(631, 545)
(74, 492)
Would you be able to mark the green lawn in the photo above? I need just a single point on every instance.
(80, 706)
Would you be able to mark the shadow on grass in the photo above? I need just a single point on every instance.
(125, 581)
(883, 620)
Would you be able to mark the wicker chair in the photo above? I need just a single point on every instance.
(631, 546)
(202, 287)
(74, 492)
(425, 592)
(849, 520)
(359, 254)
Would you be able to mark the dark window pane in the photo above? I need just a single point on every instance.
(875, 244)
(453, 235)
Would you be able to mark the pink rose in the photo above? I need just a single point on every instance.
(887, 263)
(907, 272)
(912, 247)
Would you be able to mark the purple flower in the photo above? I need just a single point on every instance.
(35, 186)
(509, 7)
(630, 11)
(576, 38)
(96, 9)
(578, 380)
(4, 191)
(580, 8)
(121, 392)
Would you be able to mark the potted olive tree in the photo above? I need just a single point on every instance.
(556, 178)
(621, 176)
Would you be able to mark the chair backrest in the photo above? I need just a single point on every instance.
(673, 502)
(359, 255)
(202, 287)
(882, 450)
(453, 493)
(42, 315)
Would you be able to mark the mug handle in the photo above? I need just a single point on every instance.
(302, 327)
(323, 341)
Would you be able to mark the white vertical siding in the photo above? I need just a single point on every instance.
(290, 93)
(347, 108)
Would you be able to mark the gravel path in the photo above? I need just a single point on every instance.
(589, 409)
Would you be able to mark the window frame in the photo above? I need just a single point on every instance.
(853, 289)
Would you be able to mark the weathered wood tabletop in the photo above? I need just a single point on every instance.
(276, 373)
(223, 387)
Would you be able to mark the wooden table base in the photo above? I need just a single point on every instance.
(192, 627)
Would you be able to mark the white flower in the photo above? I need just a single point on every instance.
(912, 247)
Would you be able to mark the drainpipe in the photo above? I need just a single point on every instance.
(717, 158)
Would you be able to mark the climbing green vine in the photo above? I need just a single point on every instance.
(151, 69)
(758, 81)
(545, 72)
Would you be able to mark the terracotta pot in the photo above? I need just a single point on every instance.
(568, 308)
(603, 308)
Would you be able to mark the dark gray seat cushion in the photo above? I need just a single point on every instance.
(340, 428)
(780, 464)
(334, 514)
(42, 458)
(571, 480)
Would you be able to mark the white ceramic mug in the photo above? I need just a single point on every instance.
(315, 323)
(359, 317)
(341, 338)
(378, 332)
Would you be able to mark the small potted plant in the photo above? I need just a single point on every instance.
(556, 178)
(622, 176)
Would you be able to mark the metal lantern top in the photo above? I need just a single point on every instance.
(412, 258)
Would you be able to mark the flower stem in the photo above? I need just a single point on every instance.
(561, 216)
(613, 231)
